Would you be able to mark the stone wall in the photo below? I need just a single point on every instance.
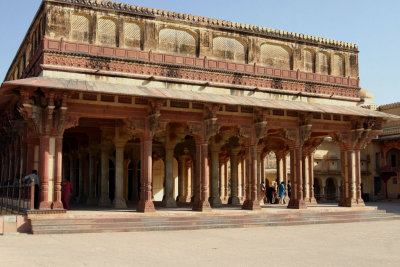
(163, 32)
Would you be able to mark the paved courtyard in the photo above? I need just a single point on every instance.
(351, 244)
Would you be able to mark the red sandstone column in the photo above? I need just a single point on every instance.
(202, 204)
(215, 199)
(181, 177)
(169, 201)
(234, 199)
(104, 194)
(297, 200)
(252, 203)
(306, 177)
(119, 201)
(91, 200)
(360, 201)
(44, 173)
(313, 201)
(57, 204)
(145, 203)
(221, 174)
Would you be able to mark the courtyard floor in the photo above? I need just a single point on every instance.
(348, 244)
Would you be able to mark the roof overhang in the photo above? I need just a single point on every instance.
(176, 94)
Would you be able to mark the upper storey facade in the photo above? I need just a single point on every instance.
(114, 37)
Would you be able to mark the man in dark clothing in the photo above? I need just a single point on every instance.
(270, 193)
(289, 189)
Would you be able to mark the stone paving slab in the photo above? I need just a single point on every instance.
(352, 244)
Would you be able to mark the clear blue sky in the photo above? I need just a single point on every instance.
(373, 25)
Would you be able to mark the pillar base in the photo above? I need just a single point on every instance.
(201, 205)
(251, 205)
(169, 202)
(313, 201)
(234, 201)
(184, 199)
(352, 203)
(119, 203)
(215, 201)
(104, 202)
(91, 201)
(57, 205)
(45, 205)
(297, 204)
(145, 206)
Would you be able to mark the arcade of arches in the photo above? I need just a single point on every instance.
(157, 154)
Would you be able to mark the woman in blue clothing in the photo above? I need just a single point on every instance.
(282, 193)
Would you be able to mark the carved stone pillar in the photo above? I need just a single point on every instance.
(181, 176)
(202, 203)
(222, 178)
(57, 204)
(81, 197)
(226, 179)
(360, 201)
(104, 200)
(188, 180)
(44, 202)
(297, 200)
(306, 177)
(252, 203)
(349, 178)
(234, 199)
(169, 201)
(313, 201)
(323, 191)
(91, 200)
(259, 173)
(146, 204)
(215, 200)
(119, 201)
(72, 176)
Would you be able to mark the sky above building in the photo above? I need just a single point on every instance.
(373, 25)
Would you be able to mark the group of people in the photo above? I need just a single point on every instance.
(276, 193)
(65, 192)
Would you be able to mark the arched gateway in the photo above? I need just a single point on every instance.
(133, 111)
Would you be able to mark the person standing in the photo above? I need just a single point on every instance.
(66, 191)
(33, 177)
(289, 189)
(270, 194)
(262, 191)
(282, 193)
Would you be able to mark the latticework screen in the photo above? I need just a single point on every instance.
(338, 65)
(275, 56)
(323, 63)
(308, 61)
(107, 32)
(132, 35)
(228, 48)
(80, 28)
(177, 41)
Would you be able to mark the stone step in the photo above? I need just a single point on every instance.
(147, 220)
(163, 227)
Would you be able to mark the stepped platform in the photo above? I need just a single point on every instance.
(85, 220)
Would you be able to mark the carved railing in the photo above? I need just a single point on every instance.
(16, 197)
(297, 80)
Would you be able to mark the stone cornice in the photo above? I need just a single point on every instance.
(210, 22)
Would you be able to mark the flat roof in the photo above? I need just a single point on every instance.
(176, 94)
